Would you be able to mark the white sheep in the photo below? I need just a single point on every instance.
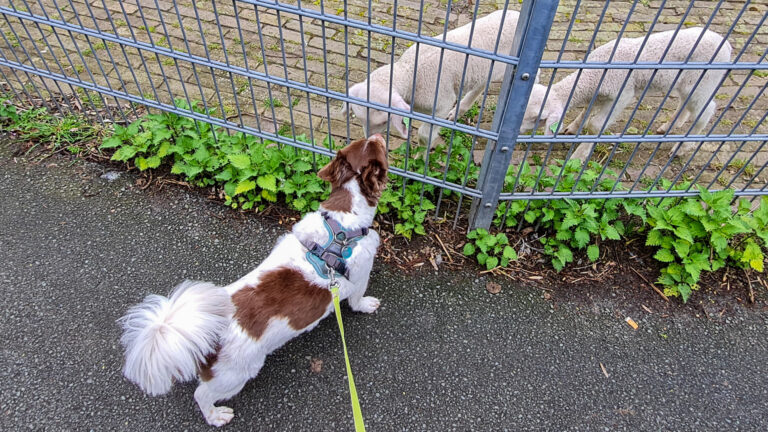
(679, 50)
(475, 80)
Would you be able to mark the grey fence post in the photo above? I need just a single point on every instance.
(533, 27)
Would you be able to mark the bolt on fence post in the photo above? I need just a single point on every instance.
(531, 36)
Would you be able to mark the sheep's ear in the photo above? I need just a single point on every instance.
(552, 125)
(344, 110)
(398, 122)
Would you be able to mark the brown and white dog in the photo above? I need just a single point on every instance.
(223, 334)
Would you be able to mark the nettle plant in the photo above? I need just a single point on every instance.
(412, 202)
(704, 233)
(568, 224)
(248, 169)
(490, 250)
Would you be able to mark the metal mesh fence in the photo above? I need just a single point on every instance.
(287, 71)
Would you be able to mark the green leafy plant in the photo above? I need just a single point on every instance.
(700, 234)
(568, 224)
(248, 169)
(39, 126)
(8, 114)
(490, 250)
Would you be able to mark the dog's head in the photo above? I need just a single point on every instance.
(375, 121)
(364, 160)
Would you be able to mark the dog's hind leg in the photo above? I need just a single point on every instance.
(228, 379)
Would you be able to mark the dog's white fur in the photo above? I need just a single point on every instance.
(166, 339)
(475, 80)
(663, 82)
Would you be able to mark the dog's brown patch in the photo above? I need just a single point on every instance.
(206, 368)
(339, 200)
(282, 293)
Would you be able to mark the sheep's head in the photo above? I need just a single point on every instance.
(550, 114)
(375, 121)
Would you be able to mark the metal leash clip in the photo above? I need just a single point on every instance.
(332, 276)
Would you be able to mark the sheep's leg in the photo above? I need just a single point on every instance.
(666, 127)
(428, 133)
(465, 104)
(697, 128)
(573, 128)
(603, 116)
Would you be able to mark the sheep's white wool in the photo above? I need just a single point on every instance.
(422, 96)
(612, 90)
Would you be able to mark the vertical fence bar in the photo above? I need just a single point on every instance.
(536, 17)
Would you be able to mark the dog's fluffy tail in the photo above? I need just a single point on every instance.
(166, 339)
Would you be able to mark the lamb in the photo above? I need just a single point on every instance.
(664, 81)
(475, 80)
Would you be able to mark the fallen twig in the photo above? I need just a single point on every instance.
(749, 287)
(658, 291)
(605, 371)
(450, 258)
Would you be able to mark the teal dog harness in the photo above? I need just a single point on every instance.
(332, 257)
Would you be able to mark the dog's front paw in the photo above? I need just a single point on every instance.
(366, 305)
(219, 416)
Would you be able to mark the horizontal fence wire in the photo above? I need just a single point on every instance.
(283, 71)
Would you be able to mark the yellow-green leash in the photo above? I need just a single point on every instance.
(356, 412)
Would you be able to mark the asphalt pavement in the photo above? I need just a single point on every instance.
(441, 354)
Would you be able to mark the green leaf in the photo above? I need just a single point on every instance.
(684, 233)
(693, 207)
(244, 186)
(581, 237)
(553, 127)
(154, 161)
(510, 253)
(682, 248)
(229, 188)
(240, 161)
(491, 262)
(201, 154)
(302, 166)
(481, 258)
(124, 153)
(267, 182)
(593, 252)
(685, 292)
(654, 238)
(163, 150)
(111, 142)
(611, 233)
(753, 255)
(299, 204)
(664, 255)
(160, 134)
(224, 175)
(565, 254)
(141, 163)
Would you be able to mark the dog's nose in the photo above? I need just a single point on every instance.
(377, 136)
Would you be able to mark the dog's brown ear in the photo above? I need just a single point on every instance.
(338, 171)
(374, 181)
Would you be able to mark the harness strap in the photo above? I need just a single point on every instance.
(333, 253)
